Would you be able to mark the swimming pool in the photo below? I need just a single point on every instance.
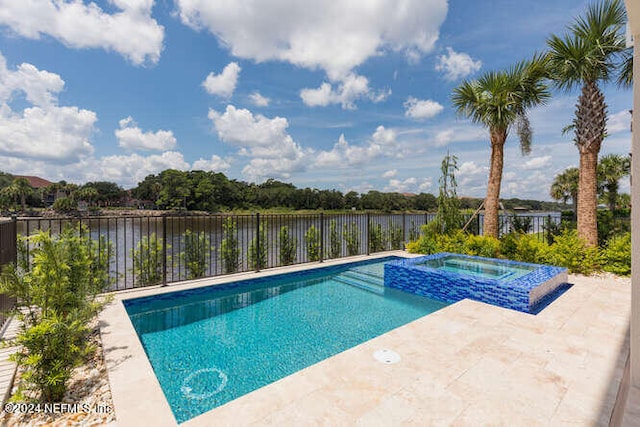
(210, 345)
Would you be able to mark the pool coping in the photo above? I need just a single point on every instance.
(578, 338)
(136, 392)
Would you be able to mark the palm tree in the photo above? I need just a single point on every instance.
(19, 188)
(499, 100)
(611, 169)
(565, 187)
(590, 53)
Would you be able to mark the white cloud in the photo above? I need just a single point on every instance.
(258, 100)
(390, 173)
(43, 130)
(215, 163)
(131, 137)
(537, 163)
(130, 31)
(425, 185)
(421, 109)
(382, 143)
(472, 178)
(223, 84)
(131, 169)
(619, 122)
(444, 137)
(273, 151)
(401, 186)
(324, 34)
(126, 170)
(460, 133)
(520, 186)
(352, 88)
(457, 65)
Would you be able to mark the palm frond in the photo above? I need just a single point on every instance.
(625, 75)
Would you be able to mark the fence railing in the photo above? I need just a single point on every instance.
(146, 250)
(8, 255)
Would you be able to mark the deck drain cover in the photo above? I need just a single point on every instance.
(386, 356)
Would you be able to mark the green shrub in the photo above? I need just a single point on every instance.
(617, 255)
(65, 205)
(229, 248)
(351, 235)
(569, 251)
(376, 238)
(258, 250)
(553, 229)
(197, 248)
(414, 232)
(288, 246)
(57, 299)
(609, 226)
(455, 242)
(50, 350)
(426, 244)
(148, 263)
(509, 245)
(395, 237)
(335, 240)
(521, 224)
(312, 242)
(523, 247)
(485, 246)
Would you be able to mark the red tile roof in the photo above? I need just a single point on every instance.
(35, 181)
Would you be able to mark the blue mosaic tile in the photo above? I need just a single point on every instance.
(528, 293)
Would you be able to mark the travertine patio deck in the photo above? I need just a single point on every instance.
(468, 364)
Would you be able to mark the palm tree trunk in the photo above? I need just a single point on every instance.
(491, 202)
(612, 195)
(591, 121)
(588, 197)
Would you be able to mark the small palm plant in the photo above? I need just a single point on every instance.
(288, 246)
(312, 241)
(197, 248)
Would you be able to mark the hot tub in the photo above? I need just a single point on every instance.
(450, 278)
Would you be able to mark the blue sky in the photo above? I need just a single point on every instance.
(351, 95)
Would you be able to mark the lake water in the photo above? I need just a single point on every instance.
(124, 233)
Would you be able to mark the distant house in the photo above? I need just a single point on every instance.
(38, 183)
(35, 181)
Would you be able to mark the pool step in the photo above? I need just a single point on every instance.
(363, 280)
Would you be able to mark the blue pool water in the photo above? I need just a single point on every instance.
(485, 268)
(209, 346)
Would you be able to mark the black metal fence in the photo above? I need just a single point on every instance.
(163, 249)
(8, 255)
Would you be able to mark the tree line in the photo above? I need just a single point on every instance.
(214, 192)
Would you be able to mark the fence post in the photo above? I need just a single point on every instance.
(164, 250)
(368, 231)
(404, 229)
(14, 239)
(321, 236)
(257, 248)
